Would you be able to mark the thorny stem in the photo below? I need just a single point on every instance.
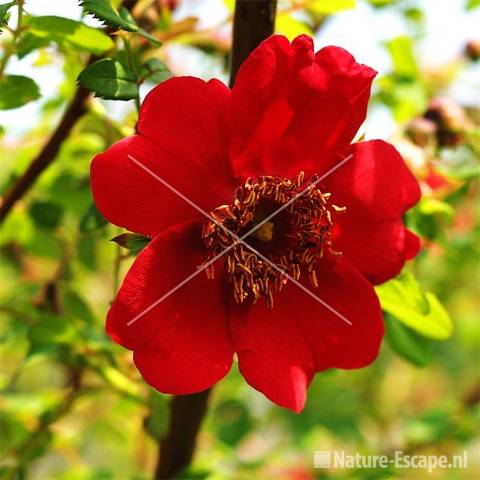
(254, 21)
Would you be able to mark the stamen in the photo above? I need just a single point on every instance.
(294, 240)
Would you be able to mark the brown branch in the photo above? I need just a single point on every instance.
(253, 22)
(177, 447)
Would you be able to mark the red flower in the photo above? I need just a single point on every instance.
(242, 150)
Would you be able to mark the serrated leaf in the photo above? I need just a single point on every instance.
(17, 90)
(71, 33)
(406, 343)
(103, 11)
(403, 298)
(109, 79)
(132, 241)
(154, 70)
(3, 12)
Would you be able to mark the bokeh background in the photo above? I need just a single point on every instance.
(72, 404)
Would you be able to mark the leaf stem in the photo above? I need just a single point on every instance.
(132, 66)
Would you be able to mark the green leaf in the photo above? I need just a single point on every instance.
(70, 33)
(381, 3)
(433, 206)
(118, 380)
(50, 332)
(28, 42)
(472, 4)
(103, 11)
(46, 214)
(132, 241)
(407, 97)
(3, 12)
(331, 6)
(154, 70)
(109, 79)
(17, 90)
(92, 220)
(156, 423)
(407, 343)
(403, 298)
(77, 307)
(234, 421)
(429, 216)
(403, 57)
(291, 27)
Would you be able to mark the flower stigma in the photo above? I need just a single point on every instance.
(294, 239)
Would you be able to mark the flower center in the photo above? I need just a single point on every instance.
(283, 220)
(264, 232)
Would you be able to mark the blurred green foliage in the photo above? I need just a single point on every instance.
(72, 404)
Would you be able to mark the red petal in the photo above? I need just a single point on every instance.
(291, 110)
(375, 183)
(272, 354)
(183, 344)
(184, 120)
(279, 349)
(412, 244)
(376, 249)
(377, 188)
(333, 341)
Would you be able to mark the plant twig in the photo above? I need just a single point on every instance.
(177, 448)
(253, 22)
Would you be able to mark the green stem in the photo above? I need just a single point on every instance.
(132, 66)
